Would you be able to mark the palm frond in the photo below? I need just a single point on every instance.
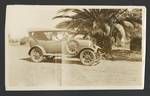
(70, 10)
(62, 16)
(64, 24)
(120, 23)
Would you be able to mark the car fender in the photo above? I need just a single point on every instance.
(43, 50)
(96, 48)
(85, 49)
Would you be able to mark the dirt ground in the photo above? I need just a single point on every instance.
(22, 73)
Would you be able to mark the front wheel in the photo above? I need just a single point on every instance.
(87, 57)
(36, 55)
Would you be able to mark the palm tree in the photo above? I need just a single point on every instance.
(117, 23)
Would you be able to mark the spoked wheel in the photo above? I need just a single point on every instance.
(87, 57)
(72, 47)
(36, 55)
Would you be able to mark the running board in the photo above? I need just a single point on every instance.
(57, 55)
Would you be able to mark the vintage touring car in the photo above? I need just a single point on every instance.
(54, 43)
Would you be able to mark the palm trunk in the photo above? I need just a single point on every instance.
(123, 34)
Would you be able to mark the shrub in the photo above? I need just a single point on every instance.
(135, 44)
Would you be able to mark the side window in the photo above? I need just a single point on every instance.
(48, 35)
(54, 36)
(61, 36)
(58, 36)
(39, 36)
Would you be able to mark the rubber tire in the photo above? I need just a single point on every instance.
(39, 51)
(81, 57)
(76, 50)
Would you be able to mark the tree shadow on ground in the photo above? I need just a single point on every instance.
(73, 62)
(126, 55)
(118, 55)
(56, 60)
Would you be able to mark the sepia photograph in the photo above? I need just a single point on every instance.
(64, 47)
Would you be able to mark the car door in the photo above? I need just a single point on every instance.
(52, 45)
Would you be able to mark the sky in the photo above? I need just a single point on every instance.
(20, 19)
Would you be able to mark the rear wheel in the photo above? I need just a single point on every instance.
(36, 54)
(87, 57)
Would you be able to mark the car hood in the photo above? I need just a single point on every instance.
(85, 43)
